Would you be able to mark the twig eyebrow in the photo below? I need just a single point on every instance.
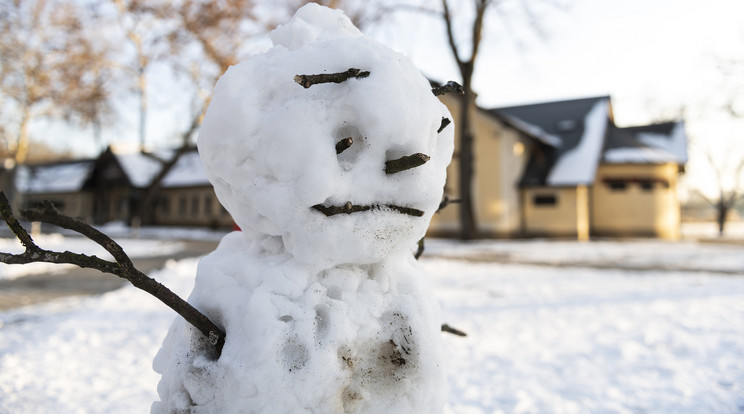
(309, 80)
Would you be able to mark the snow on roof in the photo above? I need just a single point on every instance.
(188, 172)
(675, 142)
(141, 168)
(648, 144)
(639, 155)
(533, 130)
(64, 177)
(579, 164)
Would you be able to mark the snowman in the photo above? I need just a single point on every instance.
(329, 151)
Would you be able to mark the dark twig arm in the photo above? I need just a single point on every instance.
(309, 80)
(121, 266)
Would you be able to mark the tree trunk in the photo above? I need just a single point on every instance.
(722, 209)
(468, 226)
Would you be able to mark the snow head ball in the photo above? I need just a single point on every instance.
(329, 145)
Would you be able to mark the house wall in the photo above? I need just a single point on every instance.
(556, 212)
(191, 206)
(500, 159)
(78, 205)
(636, 200)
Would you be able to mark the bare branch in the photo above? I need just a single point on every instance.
(122, 266)
(450, 34)
(309, 80)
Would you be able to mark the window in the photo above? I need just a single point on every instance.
(165, 206)
(208, 205)
(182, 205)
(195, 206)
(545, 200)
(617, 185)
(646, 185)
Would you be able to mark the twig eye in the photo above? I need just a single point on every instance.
(344, 144)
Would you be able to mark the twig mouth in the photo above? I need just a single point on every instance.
(349, 208)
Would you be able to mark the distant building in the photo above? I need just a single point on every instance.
(62, 183)
(563, 169)
(111, 187)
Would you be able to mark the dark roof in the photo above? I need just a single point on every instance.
(563, 121)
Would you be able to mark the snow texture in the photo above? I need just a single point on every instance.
(579, 165)
(323, 314)
(55, 178)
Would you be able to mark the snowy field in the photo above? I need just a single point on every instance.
(541, 338)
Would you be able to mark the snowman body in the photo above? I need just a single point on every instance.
(324, 307)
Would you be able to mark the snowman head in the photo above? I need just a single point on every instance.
(342, 167)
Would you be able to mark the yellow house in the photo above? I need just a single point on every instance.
(563, 169)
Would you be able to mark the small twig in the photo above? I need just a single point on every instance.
(309, 80)
(419, 249)
(449, 87)
(343, 145)
(122, 267)
(453, 331)
(445, 122)
(406, 163)
(349, 208)
(447, 201)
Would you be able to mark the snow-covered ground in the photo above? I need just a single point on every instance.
(541, 339)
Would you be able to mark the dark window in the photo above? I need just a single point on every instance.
(166, 206)
(182, 205)
(208, 205)
(195, 205)
(646, 185)
(617, 185)
(545, 200)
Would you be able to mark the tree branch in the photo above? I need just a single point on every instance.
(122, 266)
(309, 80)
(450, 34)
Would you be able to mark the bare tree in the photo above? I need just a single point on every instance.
(49, 67)
(204, 38)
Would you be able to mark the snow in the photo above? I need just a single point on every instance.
(641, 155)
(540, 338)
(579, 165)
(329, 311)
(188, 172)
(55, 178)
